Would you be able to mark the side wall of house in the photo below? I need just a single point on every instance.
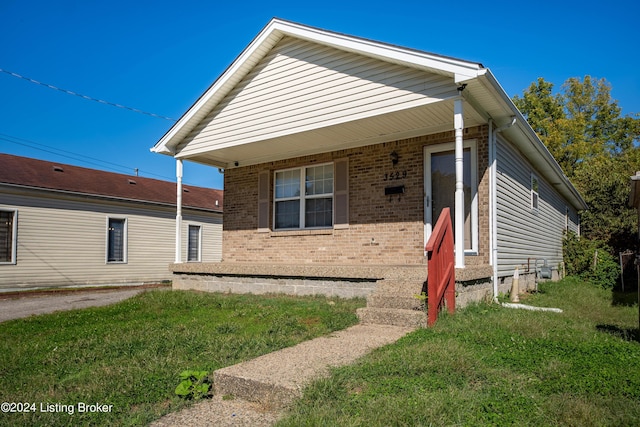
(383, 229)
(526, 234)
(62, 241)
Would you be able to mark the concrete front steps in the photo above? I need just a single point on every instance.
(397, 304)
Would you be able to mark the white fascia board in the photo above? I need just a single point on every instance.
(461, 70)
(215, 93)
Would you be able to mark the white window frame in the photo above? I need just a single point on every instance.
(199, 248)
(14, 237)
(125, 239)
(535, 193)
(303, 197)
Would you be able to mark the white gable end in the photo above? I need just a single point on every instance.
(301, 86)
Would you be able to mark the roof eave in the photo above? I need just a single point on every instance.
(526, 135)
(459, 70)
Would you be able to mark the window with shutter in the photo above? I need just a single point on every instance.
(263, 201)
(303, 197)
(341, 194)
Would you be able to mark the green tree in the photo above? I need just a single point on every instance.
(595, 145)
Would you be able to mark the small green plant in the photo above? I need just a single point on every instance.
(194, 385)
(424, 300)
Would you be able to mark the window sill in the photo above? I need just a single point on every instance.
(311, 232)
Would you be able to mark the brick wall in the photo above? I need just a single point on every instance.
(382, 229)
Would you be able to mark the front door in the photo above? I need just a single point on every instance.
(440, 183)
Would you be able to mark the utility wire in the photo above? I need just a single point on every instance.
(74, 156)
(101, 101)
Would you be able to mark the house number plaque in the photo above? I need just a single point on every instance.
(393, 176)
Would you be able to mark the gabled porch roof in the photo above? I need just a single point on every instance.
(420, 101)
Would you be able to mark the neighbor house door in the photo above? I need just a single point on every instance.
(440, 182)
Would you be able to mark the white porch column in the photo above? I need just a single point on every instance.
(458, 124)
(178, 211)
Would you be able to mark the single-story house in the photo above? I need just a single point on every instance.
(339, 153)
(63, 225)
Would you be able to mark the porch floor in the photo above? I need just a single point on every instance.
(367, 272)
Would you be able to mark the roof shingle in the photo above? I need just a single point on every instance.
(28, 172)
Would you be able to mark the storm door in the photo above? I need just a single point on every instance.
(440, 186)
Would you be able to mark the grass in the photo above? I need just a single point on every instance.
(488, 365)
(129, 355)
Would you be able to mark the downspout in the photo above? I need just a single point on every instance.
(178, 259)
(493, 199)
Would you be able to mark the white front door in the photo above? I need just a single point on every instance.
(439, 191)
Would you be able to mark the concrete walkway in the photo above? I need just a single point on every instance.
(255, 392)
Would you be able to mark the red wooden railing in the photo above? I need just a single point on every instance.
(441, 268)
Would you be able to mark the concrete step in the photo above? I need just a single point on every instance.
(393, 316)
(275, 379)
(396, 294)
(394, 301)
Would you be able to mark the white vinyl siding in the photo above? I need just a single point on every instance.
(210, 236)
(526, 234)
(74, 251)
(301, 86)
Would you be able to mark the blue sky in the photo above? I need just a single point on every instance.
(160, 56)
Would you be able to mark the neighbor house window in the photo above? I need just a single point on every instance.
(534, 192)
(8, 228)
(193, 244)
(304, 197)
(117, 240)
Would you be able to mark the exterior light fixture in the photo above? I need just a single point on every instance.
(394, 158)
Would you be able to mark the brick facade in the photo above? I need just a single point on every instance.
(387, 230)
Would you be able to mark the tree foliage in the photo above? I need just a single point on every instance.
(596, 146)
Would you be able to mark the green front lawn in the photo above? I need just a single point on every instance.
(489, 365)
(130, 355)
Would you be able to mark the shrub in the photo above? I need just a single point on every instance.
(591, 260)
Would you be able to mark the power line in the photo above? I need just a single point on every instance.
(100, 101)
(75, 156)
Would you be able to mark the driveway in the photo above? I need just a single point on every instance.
(25, 304)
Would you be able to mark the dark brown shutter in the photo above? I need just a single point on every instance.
(263, 201)
(341, 194)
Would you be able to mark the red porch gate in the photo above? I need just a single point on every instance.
(441, 268)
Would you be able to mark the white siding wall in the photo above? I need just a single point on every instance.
(62, 242)
(301, 85)
(523, 234)
(211, 236)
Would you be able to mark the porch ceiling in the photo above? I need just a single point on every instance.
(422, 120)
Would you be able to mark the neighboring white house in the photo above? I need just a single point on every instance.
(340, 153)
(63, 225)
